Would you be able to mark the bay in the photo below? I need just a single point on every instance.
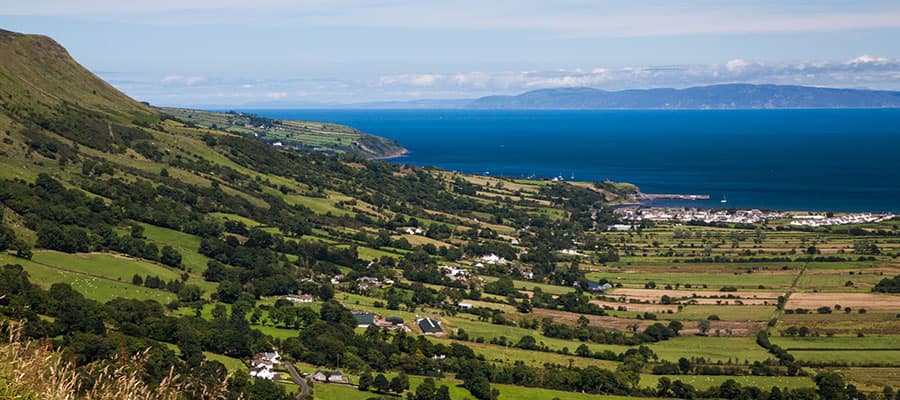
(836, 160)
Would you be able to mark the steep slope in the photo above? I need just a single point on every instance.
(43, 90)
(38, 76)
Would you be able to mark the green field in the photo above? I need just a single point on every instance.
(510, 392)
(852, 350)
(118, 268)
(233, 364)
(528, 286)
(186, 244)
(838, 342)
(92, 287)
(851, 358)
(703, 382)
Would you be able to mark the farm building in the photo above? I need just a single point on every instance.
(320, 376)
(429, 326)
(597, 287)
(337, 377)
(329, 376)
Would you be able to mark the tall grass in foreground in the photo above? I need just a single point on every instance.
(31, 370)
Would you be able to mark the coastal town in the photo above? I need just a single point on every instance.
(752, 216)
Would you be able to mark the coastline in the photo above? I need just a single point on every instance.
(391, 156)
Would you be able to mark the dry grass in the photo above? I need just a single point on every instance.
(871, 301)
(700, 296)
(32, 369)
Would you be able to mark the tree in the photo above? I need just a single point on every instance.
(23, 249)
(426, 391)
(629, 372)
(583, 321)
(137, 231)
(684, 365)
(443, 393)
(524, 306)
(583, 351)
(365, 380)
(229, 291)
(219, 312)
(7, 236)
(215, 271)
(326, 291)
(830, 386)
(401, 382)
(259, 238)
(703, 327)
(480, 387)
(729, 389)
(190, 293)
(663, 387)
(381, 383)
(137, 280)
(170, 257)
(527, 342)
(676, 326)
(867, 247)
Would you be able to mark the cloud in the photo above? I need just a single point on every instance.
(188, 90)
(865, 71)
(183, 80)
(867, 59)
(276, 95)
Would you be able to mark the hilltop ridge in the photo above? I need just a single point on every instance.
(43, 89)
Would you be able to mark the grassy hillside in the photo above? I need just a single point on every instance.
(305, 135)
(135, 228)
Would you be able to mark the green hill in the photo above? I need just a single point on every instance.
(304, 135)
(42, 89)
(125, 228)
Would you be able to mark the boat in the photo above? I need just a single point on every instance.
(724, 200)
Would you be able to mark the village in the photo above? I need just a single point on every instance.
(824, 220)
(752, 216)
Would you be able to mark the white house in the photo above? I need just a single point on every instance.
(337, 377)
(455, 273)
(493, 259)
(414, 231)
(262, 372)
(320, 376)
(258, 362)
(271, 356)
(303, 298)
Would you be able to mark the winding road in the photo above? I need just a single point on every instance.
(295, 376)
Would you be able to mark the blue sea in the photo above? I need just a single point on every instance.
(836, 160)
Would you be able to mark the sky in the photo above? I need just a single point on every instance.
(296, 52)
